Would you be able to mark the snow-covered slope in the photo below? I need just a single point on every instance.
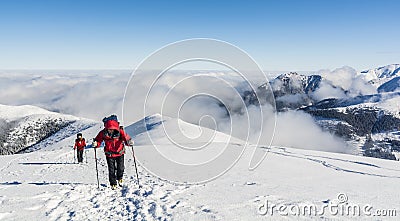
(16, 112)
(377, 100)
(381, 75)
(47, 185)
(369, 122)
(387, 71)
(27, 127)
(390, 86)
(173, 129)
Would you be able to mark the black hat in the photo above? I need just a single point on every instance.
(79, 135)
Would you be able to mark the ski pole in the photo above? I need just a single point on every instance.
(86, 155)
(134, 160)
(97, 171)
(74, 156)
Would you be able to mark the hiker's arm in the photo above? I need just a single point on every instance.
(99, 139)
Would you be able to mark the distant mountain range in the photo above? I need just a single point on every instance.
(385, 72)
(370, 122)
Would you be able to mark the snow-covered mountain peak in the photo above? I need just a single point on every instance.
(166, 130)
(387, 71)
(14, 112)
(291, 75)
(293, 82)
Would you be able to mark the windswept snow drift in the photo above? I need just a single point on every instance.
(47, 185)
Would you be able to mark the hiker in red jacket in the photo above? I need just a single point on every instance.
(79, 146)
(115, 140)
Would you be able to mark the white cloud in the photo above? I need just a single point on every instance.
(90, 95)
(298, 129)
(342, 77)
(346, 78)
(328, 91)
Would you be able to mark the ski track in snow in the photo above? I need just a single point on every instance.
(284, 152)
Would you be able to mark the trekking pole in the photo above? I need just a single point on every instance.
(97, 171)
(74, 156)
(86, 155)
(134, 160)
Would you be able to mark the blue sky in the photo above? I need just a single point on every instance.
(279, 35)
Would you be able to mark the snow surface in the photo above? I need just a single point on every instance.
(48, 185)
(391, 85)
(16, 112)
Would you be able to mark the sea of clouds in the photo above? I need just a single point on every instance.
(95, 94)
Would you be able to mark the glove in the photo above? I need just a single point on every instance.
(94, 144)
(129, 142)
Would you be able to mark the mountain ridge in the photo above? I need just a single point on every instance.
(24, 127)
(346, 116)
